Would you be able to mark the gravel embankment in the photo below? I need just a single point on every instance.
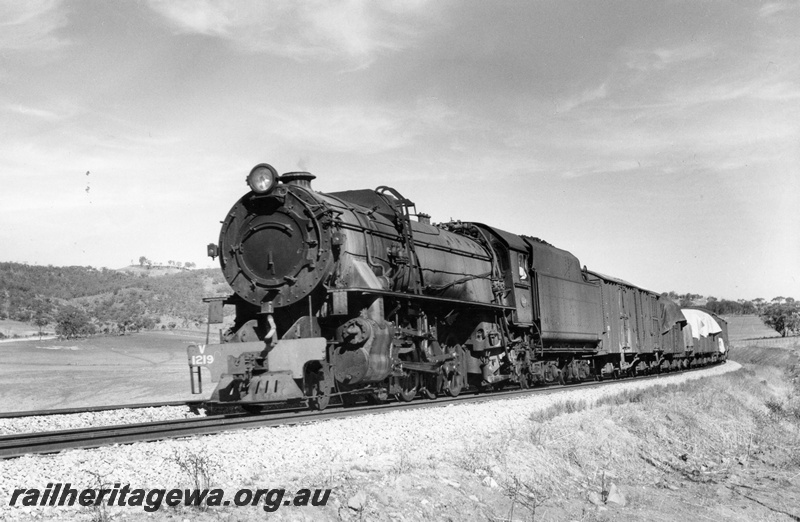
(93, 418)
(300, 456)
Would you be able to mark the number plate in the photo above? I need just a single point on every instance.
(201, 360)
(198, 357)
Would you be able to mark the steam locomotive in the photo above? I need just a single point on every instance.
(355, 295)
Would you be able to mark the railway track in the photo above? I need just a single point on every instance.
(92, 409)
(55, 441)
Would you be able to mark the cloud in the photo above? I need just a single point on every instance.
(315, 30)
(34, 112)
(779, 91)
(361, 128)
(61, 112)
(660, 58)
(585, 97)
(31, 25)
(772, 8)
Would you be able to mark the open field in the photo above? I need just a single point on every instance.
(742, 327)
(11, 328)
(96, 371)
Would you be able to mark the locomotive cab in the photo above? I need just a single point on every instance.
(512, 255)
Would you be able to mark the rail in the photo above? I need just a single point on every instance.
(17, 445)
(90, 409)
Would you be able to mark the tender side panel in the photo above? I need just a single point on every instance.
(568, 310)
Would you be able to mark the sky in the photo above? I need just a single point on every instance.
(657, 141)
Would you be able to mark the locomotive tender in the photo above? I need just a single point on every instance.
(355, 294)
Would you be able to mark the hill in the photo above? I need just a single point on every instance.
(745, 327)
(113, 301)
(152, 270)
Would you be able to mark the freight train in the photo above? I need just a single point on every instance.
(355, 295)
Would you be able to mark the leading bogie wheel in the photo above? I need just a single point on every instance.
(320, 387)
(408, 384)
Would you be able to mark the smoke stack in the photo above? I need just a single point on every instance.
(301, 179)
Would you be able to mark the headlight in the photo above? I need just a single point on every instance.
(262, 178)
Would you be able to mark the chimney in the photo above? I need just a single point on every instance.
(301, 179)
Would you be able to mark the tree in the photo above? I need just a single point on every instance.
(726, 307)
(42, 313)
(71, 322)
(782, 317)
(144, 322)
(41, 321)
(748, 308)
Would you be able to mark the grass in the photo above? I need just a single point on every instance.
(742, 327)
(16, 329)
(98, 512)
(559, 408)
(197, 466)
(759, 354)
(700, 431)
(126, 369)
(523, 495)
(568, 406)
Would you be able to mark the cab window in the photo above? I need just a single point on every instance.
(522, 259)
